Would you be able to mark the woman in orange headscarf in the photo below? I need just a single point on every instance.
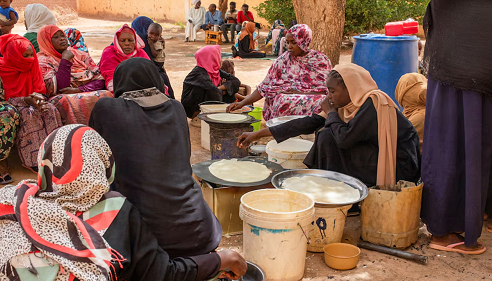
(247, 43)
(24, 88)
(73, 80)
(362, 132)
(411, 93)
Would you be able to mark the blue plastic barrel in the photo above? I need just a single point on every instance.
(387, 58)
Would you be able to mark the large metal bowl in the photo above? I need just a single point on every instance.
(282, 120)
(279, 178)
(253, 273)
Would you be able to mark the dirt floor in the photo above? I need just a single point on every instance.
(372, 265)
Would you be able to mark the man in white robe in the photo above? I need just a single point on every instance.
(196, 18)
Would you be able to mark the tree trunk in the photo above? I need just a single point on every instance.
(223, 7)
(326, 18)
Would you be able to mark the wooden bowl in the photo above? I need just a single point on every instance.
(341, 256)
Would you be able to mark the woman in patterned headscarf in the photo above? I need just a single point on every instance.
(73, 80)
(295, 84)
(68, 226)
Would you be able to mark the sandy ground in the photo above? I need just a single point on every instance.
(372, 265)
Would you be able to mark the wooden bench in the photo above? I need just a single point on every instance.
(212, 36)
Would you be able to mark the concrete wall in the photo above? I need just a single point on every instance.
(160, 10)
(21, 4)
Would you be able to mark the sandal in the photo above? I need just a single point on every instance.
(451, 248)
(32, 169)
(6, 179)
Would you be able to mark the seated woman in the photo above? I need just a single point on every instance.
(206, 82)
(277, 32)
(364, 134)
(126, 45)
(90, 232)
(411, 93)
(151, 143)
(141, 26)
(35, 17)
(246, 43)
(9, 126)
(25, 90)
(295, 84)
(73, 81)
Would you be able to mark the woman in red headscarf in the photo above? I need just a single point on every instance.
(24, 88)
(126, 44)
(73, 80)
(206, 82)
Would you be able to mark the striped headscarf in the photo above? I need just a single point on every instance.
(76, 168)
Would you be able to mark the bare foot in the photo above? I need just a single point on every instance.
(454, 238)
(4, 167)
(488, 225)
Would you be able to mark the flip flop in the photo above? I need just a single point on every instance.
(451, 248)
(6, 179)
(488, 229)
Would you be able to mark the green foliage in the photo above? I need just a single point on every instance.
(362, 16)
(272, 10)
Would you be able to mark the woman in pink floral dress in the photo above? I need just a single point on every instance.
(295, 84)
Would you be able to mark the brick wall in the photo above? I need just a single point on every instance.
(21, 4)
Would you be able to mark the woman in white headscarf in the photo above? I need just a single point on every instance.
(37, 16)
(196, 18)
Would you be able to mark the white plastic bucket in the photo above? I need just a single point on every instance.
(205, 128)
(328, 227)
(290, 154)
(275, 225)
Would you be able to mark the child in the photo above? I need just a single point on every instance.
(156, 44)
(8, 16)
(228, 66)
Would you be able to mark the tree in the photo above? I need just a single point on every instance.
(273, 10)
(223, 7)
(326, 18)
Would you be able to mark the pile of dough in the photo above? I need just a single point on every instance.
(239, 171)
(322, 190)
(230, 117)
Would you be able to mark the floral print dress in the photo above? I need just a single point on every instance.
(305, 74)
(9, 125)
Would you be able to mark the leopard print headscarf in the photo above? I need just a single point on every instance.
(76, 167)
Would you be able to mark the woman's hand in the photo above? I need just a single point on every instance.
(233, 262)
(327, 105)
(37, 101)
(67, 55)
(246, 139)
(234, 106)
(70, 90)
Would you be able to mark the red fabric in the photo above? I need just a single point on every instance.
(45, 34)
(6, 210)
(21, 76)
(113, 55)
(209, 57)
(242, 18)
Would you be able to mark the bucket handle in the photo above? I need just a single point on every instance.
(304, 232)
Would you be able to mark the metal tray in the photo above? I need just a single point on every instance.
(279, 178)
(282, 120)
(249, 119)
(201, 170)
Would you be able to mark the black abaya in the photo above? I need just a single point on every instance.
(199, 88)
(149, 136)
(245, 52)
(352, 148)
